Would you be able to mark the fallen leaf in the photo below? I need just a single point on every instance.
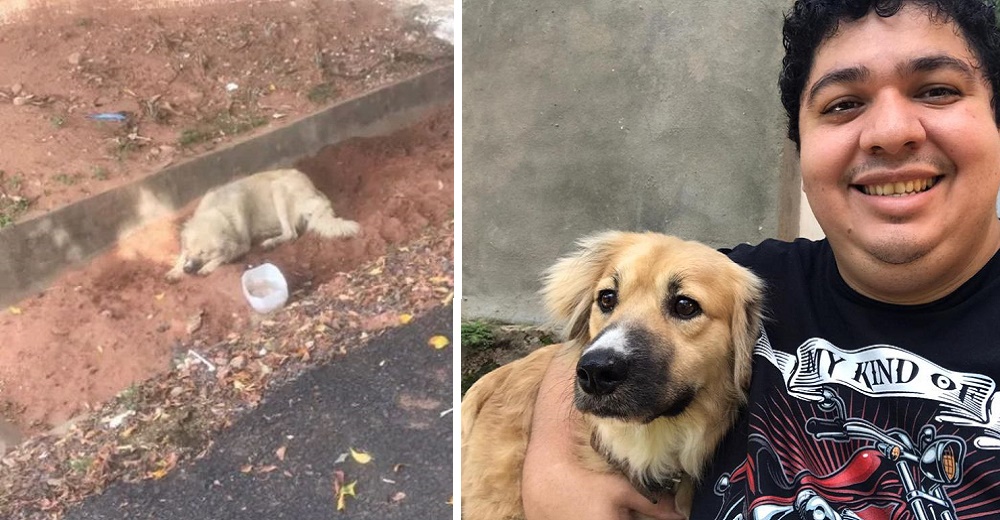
(451, 501)
(160, 296)
(405, 318)
(397, 497)
(267, 469)
(341, 458)
(360, 457)
(246, 468)
(346, 491)
(16, 311)
(438, 342)
(281, 453)
(375, 272)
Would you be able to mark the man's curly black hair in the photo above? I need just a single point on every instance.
(810, 22)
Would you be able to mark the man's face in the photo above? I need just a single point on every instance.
(900, 153)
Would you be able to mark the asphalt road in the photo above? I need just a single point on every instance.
(386, 399)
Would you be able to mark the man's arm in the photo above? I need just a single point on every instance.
(555, 485)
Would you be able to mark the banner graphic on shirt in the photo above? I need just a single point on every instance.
(886, 371)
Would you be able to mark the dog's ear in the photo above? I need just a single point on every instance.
(568, 286)
(746, 325)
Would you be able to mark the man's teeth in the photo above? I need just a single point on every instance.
(899, 189)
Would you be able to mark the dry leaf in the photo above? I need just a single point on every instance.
(360, 457)
(160, 296)
(405, 318)
(438, 342)
(267, 469)
(246, 468)
(397, 497)
(346, 491)
(281, 453)
(16, 311)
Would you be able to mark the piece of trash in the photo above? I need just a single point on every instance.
(211, 367)
(265, 288)
(109, 116)
(388, 481)
(341, 458)
(397, 496)
(117, 420)
(231, 87)
(446, 412)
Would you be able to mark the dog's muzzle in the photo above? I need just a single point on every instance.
(600, 372)
(192, 266)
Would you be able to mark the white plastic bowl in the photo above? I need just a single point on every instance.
(265, 288)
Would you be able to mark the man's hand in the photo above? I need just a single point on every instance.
(555, 485)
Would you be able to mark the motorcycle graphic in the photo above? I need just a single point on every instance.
(892, 474)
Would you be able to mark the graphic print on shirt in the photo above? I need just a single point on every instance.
(873, 433)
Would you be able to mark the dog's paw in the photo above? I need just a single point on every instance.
(173, 276)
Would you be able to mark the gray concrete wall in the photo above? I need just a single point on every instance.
(582, 116)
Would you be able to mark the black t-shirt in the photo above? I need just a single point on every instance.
(862, 409)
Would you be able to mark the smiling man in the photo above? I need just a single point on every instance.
(874, 393)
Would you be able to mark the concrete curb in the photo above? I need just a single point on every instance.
(34, 252)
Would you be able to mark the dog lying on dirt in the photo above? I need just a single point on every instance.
(661, 331)
(271, 207)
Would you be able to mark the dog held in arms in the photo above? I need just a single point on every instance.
(661, 331)
(272, 207)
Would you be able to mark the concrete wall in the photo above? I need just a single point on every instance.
(615, 114)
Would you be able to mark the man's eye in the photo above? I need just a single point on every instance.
(841, 106)
(607, 300)
(938, 92)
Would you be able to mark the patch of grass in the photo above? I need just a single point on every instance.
(10, 183)
(131, 397)
(486, 345)
(85, 22)
(58, 120)
(191, 137)
(11, 208)
(122, 146)
(223, 124)
(477, 334)
(80, 464)
(100, 173)
(322, 93)
(67, 179)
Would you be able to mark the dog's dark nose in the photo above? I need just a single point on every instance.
(192, 266)
(601, 371)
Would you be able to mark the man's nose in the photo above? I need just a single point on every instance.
(892, 125)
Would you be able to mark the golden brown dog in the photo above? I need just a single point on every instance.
(662, 333)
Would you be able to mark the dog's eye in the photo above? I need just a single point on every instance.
(607, 299)
(685, 308)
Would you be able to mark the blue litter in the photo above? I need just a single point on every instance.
(109, 116)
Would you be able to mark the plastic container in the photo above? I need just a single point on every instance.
(265, 288)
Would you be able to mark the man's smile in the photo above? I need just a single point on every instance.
(898, 189)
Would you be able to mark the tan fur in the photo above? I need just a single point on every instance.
(272, 207)
(710, 353)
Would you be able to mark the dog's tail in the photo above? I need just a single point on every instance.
(326, 224)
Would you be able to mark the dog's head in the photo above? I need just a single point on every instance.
(198, 247)
(662, 323)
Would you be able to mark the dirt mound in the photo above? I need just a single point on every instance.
(97, 330)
